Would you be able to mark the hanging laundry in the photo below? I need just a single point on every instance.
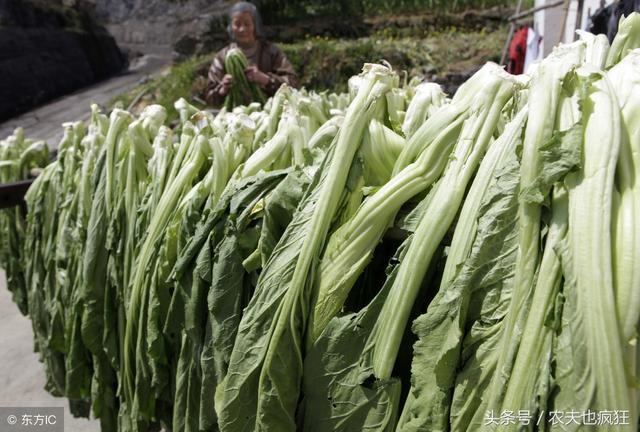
(533, 48)
(605, 20)
(517, 51)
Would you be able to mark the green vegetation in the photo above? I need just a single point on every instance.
(433, 5)
(327, 64)
(238, 272)
(280, 10)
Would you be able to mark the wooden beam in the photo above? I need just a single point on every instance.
(565, 15)
(533, 10)
(12, 194)
(578, 17)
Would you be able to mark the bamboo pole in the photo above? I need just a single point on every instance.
(533, 10)
(578, 17)
(564, 21)
(512, 29)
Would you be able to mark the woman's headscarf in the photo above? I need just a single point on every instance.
(244, 6)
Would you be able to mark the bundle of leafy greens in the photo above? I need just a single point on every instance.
(241, 89)
(18, 157)
(384, 260)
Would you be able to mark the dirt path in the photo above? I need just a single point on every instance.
(45, 122)
(21, 374)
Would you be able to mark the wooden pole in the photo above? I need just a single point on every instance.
(12, 194)
(564, 21)
(578, 17)
(533, 10)
(512, 29)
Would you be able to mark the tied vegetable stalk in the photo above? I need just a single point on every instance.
(437, 353)
(625, 80)
(235, 63)
(350, 248)
(261, 388)
(590, 219)
(17, 157)
(476, 134)
(544, 99)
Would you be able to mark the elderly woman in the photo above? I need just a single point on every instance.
(268, 67)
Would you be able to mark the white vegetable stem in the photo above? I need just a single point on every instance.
(590, 203)
(471, 146)
(544, 97)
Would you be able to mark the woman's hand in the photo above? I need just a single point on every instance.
(225, 85)
(255, 75)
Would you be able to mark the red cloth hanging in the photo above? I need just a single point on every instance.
(517, 51)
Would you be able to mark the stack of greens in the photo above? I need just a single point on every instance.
(18, 156)
(241, 89)
(387, 260)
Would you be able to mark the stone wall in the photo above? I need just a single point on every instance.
(48, 50)
(148, 26)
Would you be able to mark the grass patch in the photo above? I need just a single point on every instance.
(283, 10)
(327, 63)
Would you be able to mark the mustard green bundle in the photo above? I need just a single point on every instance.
(235, 63)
